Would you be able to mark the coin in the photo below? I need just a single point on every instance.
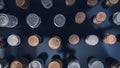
(34, 40)
(22, 3)
(13, 40)
(116, 18)
(100, 18)
(111, 2)
(54, 42)
(110, 39)
(70, 2)
(54, 64)
(74, 64)
(80, 17)
(35, 64)
(92, 2)
(74, 39)
(16, 64)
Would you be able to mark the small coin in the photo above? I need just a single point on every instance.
(35, 64)
(54, 42)
(80, 17)
(113, 1)
(110, 39)
(92, 2)
(34, 40)
(54, 64)
(74, 39)
(70, 2)
(100, 17)
(16, 64)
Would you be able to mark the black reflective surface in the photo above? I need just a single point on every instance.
(47, 29)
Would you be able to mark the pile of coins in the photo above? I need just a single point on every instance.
(34, 20)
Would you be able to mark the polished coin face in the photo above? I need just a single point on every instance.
(54, 64)
(13, 40)
(74, 39)
(59, 20)
(96, 64)
(33, 20)
(80, 17)
(116, 18)
(47, 3)
(100, 18)
(34, 40)
(16, 64)
(35, 64)
(110, 39)
(92, 2)
(74, 64)
(92, 40)
(54, 42)
(70, 2)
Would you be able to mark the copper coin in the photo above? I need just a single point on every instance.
(54, 42)
(74, 39)
(110, 39)
(111, 2)
(100, 17)
(34, 40)
(80, 17)
(70, 2)
(92, 2)
(22, 3)
(16, 64)
(54, 64)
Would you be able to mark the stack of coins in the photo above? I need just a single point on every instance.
(24, 4)
(14, 40)
(116, 18)
(110, 39)
(34, 40)
(80, 17)
(100, 18)
(74, 39)
(8, 21)
(33, 20)
(54, 42)
(110, 3)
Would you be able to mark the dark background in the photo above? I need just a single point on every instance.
(47, 29)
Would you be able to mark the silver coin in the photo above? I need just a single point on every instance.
(74, 64)
(47, 3)
(8, 21)
(59, 20)
(14, 40)
(96, 64)
(92, 40)
(116, 18)
(35, 64)
(33, 20)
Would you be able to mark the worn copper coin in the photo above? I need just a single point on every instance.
(55, 64)
(22, 3)
(70, 2)
(80, 17)
(54, 42)
(110, 39)
(74, 39)
(16, 64)
(92, 2)
(100, 18)
(34, 40)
